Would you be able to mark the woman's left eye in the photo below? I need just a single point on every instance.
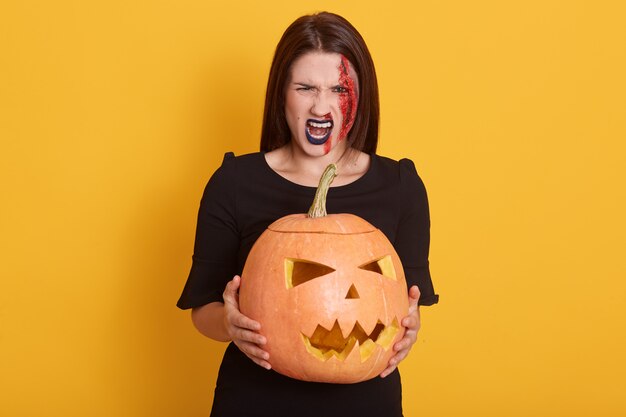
(340, 90)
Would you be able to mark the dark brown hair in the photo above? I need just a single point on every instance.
(324, 32)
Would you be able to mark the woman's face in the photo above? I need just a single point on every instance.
(321, 101)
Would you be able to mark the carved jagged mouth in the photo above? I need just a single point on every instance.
(324, 344)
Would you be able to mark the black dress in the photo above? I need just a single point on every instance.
(242, 198)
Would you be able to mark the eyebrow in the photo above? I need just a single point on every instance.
(314, 86)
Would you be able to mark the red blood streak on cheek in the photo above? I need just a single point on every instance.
(328, 145)
(329, 141)
(348, 100)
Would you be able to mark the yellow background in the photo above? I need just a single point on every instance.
(113, 115)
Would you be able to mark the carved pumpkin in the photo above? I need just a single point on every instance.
(329, 292)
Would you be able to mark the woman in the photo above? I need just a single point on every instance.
(321, 107)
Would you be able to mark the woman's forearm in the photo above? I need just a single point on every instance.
(209, 320)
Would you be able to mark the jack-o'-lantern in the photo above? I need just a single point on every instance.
(329, 292)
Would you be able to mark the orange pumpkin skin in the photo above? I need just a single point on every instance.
(291, 315)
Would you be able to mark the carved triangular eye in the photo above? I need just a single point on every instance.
(298, 271)
(383, 266)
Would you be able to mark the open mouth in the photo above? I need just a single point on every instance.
(324, 344)
(318, 131)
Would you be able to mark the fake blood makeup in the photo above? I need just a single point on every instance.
(327, 145)
(347, 100)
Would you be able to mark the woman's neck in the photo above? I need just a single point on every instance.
(292, 163)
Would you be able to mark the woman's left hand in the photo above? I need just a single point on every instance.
(412, 325)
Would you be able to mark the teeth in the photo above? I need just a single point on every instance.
(318, 137)
(324, 344)
(368, 325)
(324, 125)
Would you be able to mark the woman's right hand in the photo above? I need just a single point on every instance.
(242, 330)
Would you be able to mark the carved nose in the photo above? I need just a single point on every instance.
(352, 293)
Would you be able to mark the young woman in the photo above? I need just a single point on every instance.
(321, 107)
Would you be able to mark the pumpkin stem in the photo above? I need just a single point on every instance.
(318, 208)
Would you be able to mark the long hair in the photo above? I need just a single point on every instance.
(321, 32)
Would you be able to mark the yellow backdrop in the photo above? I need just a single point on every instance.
(113, 115)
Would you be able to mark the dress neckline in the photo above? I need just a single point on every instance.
(295, 185)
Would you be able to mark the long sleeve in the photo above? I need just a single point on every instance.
(413, 235)
(217, 240)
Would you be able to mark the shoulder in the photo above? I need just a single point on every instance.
(233, 170)
(235, 166)
(402, 172)
(245, 161)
